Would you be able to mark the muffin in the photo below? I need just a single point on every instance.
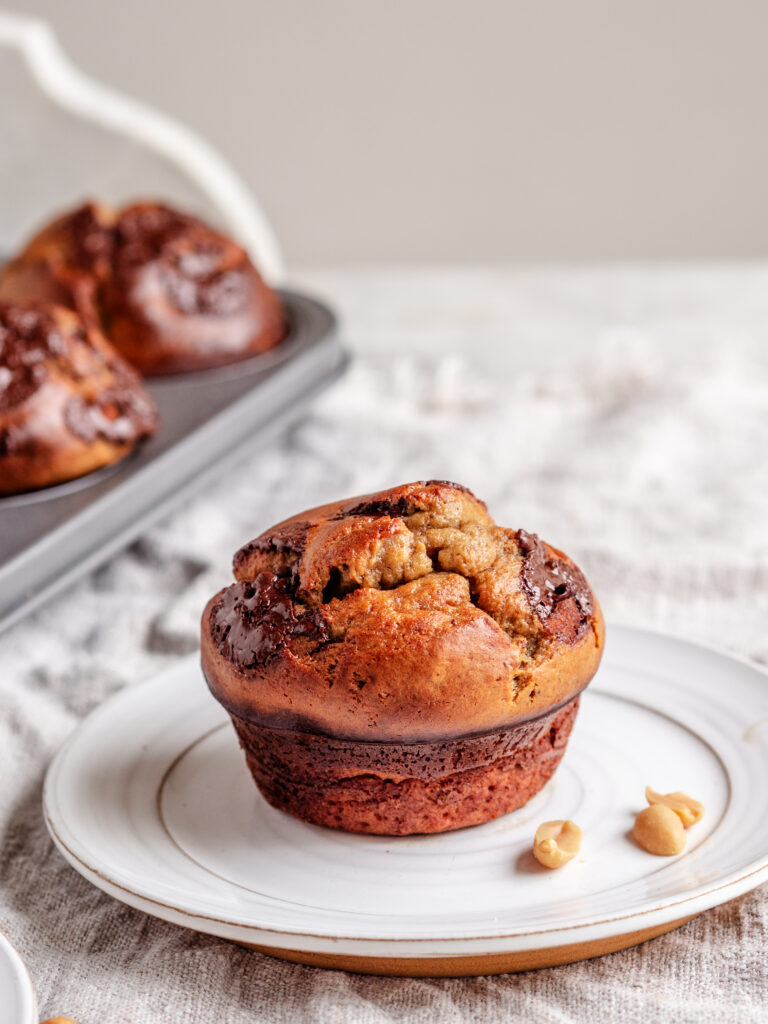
(398, 663)
(169, 292)
(69, 404)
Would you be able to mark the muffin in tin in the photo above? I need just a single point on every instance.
(170, 292)
(69, 404)
(398, 663)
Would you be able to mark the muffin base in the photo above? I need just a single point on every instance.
(405, 788)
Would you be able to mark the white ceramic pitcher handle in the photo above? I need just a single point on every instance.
(69, 87)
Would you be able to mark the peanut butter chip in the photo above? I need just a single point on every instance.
(659, 830)
(556, 842)
(688, 810)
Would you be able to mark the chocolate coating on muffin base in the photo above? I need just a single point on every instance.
(405, 788)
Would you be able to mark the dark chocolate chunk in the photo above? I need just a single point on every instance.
(27, 338)
(380, 507)
(291, 538)
(89, 239)
(200, 271)
(551, 582)
(402, 506)
(252, 622)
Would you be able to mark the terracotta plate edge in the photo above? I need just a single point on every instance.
(471, 966)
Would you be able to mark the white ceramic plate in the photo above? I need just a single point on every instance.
(17, 997)
(151, 800)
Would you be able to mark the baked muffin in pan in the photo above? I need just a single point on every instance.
(398, 663)
(170, 292)
(69, 403)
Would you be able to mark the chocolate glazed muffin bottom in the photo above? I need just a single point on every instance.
(405, 788)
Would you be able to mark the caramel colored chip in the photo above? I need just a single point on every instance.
(556, 842)
(659, 830)
(688, 810)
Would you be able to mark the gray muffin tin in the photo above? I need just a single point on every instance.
(49, 538)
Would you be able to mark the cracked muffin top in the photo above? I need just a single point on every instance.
(403, 615)
(170, 293)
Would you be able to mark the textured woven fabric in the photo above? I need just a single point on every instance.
(623, 414)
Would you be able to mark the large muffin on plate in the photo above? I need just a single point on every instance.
(170, 292)
(69, 403)
(398, 663)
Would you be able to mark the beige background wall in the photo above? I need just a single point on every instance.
(497, 129)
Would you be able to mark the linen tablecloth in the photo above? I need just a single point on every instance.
(623, 414)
